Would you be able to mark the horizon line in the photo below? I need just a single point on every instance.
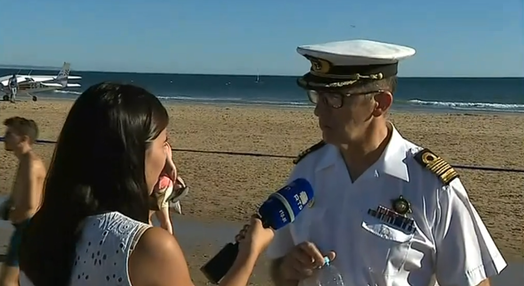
(27, 67)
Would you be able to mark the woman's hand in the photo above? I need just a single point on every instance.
(170, 167)
(172, 172)
(169, 152)
(254, 238)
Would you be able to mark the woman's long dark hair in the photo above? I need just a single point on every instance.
(98, 166)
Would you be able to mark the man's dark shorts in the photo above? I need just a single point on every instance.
(14, 244)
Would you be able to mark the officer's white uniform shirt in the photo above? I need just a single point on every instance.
(451, 245)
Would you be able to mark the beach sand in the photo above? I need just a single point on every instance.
(229, 188)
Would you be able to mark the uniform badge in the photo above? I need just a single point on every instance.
(436, 165)
(394, 219)
(401, 205)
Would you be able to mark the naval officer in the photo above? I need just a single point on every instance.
(388, 210)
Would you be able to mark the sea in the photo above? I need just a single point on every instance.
(414, 94)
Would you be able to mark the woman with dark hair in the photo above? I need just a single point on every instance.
(92, 228)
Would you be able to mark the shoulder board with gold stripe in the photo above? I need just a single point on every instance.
(436, 165)
(308, 151)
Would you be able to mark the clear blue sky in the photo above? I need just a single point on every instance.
(452, 38)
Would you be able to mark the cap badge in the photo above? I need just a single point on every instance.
(320, 65)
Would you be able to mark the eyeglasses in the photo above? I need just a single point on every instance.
(335, 99)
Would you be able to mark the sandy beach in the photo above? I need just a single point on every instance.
(229, 188)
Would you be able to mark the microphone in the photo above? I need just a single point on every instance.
(276, 212)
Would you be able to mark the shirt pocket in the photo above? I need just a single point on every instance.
(387, 247)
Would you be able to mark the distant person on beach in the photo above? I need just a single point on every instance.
(391, 212)
(13, 87)
(26, 195)
(92, 228)
(167, 192)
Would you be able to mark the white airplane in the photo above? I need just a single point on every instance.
(30, 84)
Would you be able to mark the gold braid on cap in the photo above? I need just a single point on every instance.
(355, 76)
(376, 76)
(338, 84)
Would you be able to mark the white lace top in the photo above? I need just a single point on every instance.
(103, 251)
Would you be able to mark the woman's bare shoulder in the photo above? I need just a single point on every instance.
(156, 242)
(158, 260)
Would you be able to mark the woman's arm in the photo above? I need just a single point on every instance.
(170, 167)
(240, 271)
(158, 260)
(165, 220)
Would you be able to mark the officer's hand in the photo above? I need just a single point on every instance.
(300, 262)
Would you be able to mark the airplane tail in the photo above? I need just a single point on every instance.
(63, 75)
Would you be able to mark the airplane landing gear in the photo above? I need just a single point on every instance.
(34, 98)
(5, 98)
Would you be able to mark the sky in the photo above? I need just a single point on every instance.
(472, 38)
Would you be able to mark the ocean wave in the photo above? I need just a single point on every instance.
(237, 100)
(474, 106)
(294, 103)
(409, 104)
(192, 98)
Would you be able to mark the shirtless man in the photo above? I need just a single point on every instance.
(13, 87)
(26, 196)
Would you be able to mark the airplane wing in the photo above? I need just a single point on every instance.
(22, 78)
(5, 79)
(57, 85)
(41, 78)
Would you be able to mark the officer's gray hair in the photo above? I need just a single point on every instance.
(389, 83)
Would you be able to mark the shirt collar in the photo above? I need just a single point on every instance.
(391, 162)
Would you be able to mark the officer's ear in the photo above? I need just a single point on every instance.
(382, 102)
